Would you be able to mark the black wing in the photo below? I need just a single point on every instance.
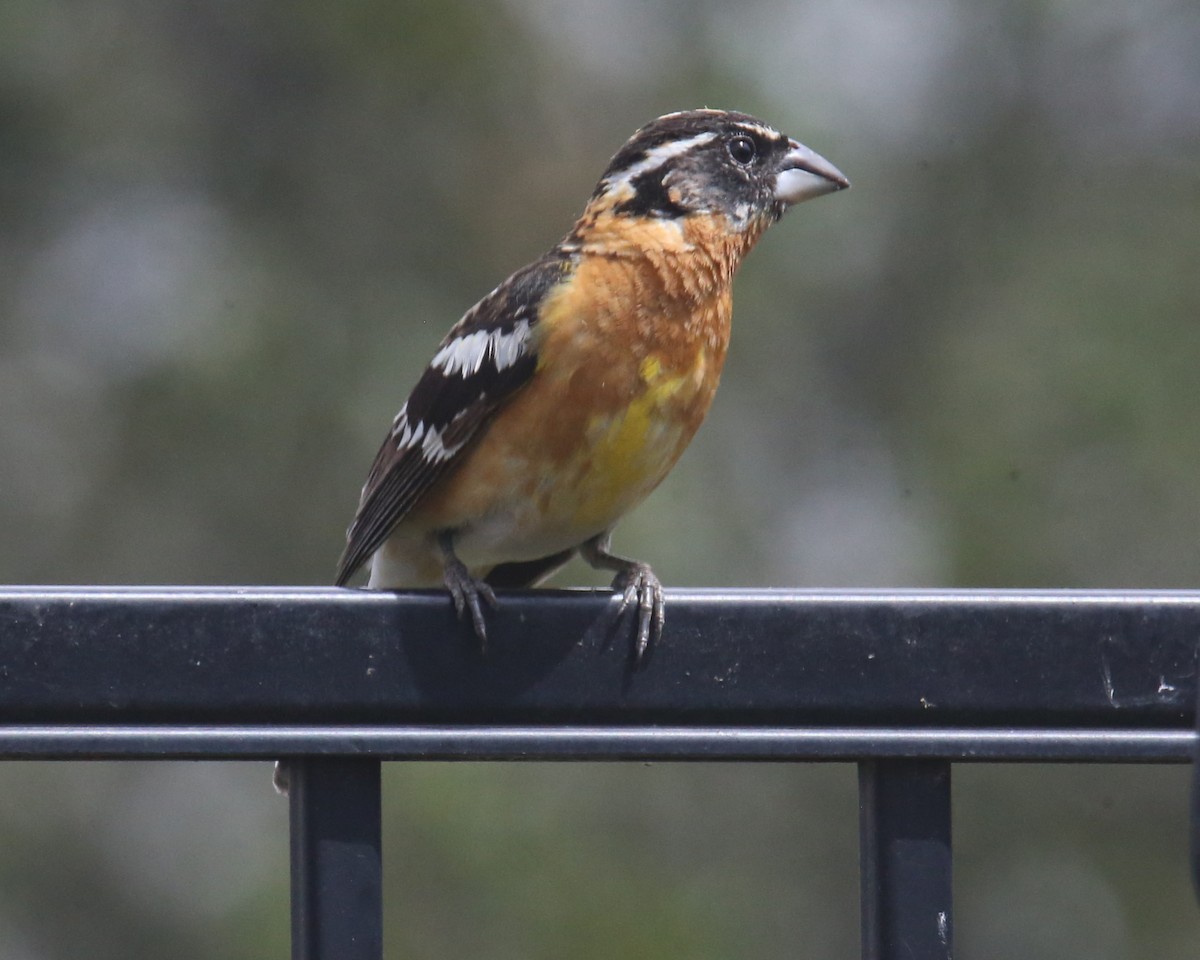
(483, 361)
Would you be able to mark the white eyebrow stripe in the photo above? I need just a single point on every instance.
(659, 155)
(765, 132)
(465, 355)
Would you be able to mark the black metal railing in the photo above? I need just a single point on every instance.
(903, 683)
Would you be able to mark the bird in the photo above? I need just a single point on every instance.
(559, 401)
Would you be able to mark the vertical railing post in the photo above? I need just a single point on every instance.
(1194, 845)
(905, 853)
(337, 866)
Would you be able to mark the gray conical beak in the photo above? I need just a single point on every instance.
(804, 174)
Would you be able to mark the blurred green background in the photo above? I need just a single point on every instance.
(231, 235)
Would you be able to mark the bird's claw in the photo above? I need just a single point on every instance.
(466, 592)
(638, 586)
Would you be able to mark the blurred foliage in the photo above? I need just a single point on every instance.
(233, 232)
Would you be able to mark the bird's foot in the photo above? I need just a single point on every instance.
(637, 586)
(467, 593)
(641, 589)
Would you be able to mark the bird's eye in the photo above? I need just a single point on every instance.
(742, 150)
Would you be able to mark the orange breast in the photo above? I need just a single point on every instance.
(627, 372)
(630, 353)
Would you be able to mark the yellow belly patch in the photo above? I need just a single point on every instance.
(632, 450)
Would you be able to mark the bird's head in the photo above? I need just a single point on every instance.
(713, 162)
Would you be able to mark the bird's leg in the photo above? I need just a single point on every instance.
(464, 589)
(636, 583)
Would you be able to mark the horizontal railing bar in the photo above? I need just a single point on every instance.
(768, 658)
(596, 743)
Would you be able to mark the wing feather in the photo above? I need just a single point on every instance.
(487, 357)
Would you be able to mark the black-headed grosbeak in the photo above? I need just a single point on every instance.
(563, 398)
